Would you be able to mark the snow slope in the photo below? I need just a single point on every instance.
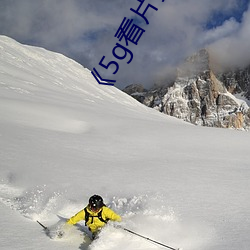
(63, 138)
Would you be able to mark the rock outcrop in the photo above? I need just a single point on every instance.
(201, 97)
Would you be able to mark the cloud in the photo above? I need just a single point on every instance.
(233, 49)
(228, 28)
(84, 30)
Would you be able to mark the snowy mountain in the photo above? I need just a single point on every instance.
(63, 138)
(237, 81)
(201, 96)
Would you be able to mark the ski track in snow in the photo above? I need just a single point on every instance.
(145, 214)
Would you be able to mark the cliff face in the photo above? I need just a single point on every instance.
(237, 81)
(201, 97)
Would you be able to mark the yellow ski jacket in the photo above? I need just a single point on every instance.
(94, 223)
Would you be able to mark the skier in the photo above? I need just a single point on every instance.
(95, 214)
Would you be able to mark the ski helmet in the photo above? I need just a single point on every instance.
(95, 202)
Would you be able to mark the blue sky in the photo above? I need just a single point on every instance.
(84, 30)
(219, 17)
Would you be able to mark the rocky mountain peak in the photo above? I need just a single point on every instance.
(197, 64)
(202, 97)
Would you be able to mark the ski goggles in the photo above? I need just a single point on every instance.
(94, 208)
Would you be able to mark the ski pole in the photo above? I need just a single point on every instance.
(146, 238)
(45, 228)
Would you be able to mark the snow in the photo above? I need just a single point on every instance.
(242, 99)
(63, 138)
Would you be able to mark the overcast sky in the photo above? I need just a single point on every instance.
(84, 30)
